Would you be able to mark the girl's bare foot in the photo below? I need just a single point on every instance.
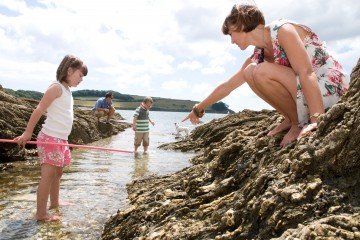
(48, 218)
(65, 203)
(61, 204)
(292, 135)
(284, 125)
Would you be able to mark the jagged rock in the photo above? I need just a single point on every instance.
(15, 112)
(242, 185)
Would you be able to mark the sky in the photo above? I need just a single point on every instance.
(159, 48)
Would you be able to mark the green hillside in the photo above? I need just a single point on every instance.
(87, 98)
(25, 93)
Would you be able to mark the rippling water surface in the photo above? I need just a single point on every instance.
(93, 187)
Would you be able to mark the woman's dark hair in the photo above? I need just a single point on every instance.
(243, 18)
(69, 61)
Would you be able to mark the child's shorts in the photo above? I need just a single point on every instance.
(141, 137)
(55, 155)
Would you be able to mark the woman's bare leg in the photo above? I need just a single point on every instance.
(277, 86)
(286, 123)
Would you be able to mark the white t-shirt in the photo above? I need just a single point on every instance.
(60, 115)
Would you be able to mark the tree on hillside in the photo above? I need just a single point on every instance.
(220, 107)
(101, 93)
(24, 93)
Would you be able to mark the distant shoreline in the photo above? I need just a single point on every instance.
(88, 98)
(152, 109)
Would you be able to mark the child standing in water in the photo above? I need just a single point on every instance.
(141, 124)
(57, 102)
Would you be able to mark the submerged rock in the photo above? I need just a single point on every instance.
(242, 185)
(15, 113)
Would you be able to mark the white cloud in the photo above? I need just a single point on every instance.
(190, 65)
(136, 46)
(346, 51)
(201, 89)
(174, 85)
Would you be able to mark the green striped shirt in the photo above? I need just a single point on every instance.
(142, 119)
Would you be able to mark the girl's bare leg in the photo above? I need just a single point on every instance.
(55, 189)
(48, 173)
(277, 86)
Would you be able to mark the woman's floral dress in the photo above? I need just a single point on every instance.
(332, 79)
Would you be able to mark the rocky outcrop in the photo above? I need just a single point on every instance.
(15, 112)
(242, 185)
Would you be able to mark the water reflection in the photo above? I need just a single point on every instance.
(94, 184)
(140, 165)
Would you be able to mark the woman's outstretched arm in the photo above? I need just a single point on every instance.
(220, 92)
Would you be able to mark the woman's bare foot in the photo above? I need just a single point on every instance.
(284, 125)
(307, 129)
(291, 135)
(48, 218)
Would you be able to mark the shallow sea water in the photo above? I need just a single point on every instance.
(94, 185)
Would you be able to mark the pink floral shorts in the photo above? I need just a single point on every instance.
(55, 155)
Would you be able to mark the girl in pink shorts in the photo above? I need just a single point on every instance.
(55, 155)
(57, 102)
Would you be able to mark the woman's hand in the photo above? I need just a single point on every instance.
(193, 118)
(307, 129)
(195, 114)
